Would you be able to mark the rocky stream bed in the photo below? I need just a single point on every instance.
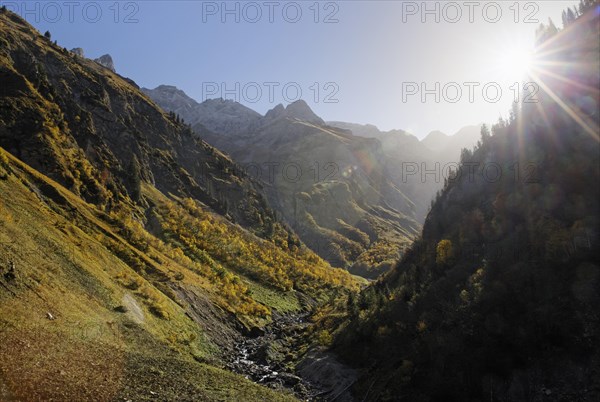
(266, 358)
(270, 358)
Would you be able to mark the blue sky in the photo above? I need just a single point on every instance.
(355, 61)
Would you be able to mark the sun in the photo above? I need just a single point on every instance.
(515, 63)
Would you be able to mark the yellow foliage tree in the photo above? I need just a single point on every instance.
(444, 252)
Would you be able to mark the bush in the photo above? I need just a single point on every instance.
(128, 281)
(154, 301)
(158, 310)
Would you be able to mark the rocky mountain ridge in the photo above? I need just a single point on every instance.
(105, 60)
(331, 187)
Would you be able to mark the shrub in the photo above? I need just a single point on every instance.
(128, 281)
(158, 310)
(154, 301)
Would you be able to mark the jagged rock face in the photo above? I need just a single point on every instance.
(298, 110)
(59, 114)
(391, 141)
(217, 115)
(169, 95)
(332, 187)
(276, 112)
(106, 61)
(78, 51)
(349, 187)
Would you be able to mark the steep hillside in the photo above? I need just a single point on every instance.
(134, 258)
(86, 316)
(97, 134)
(334, 189)
(499, 299)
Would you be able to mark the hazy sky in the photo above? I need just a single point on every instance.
(357, 61)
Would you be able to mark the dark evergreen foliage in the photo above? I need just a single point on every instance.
(499, 299)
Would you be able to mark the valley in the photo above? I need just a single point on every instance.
(154, 247)
(355, 196)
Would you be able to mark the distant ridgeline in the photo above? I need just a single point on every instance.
(355, 195)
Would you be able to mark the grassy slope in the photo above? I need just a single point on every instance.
(89, 351)
(185, 292)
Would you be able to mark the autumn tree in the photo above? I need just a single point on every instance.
(444, 252)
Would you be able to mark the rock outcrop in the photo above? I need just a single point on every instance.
(106, 61)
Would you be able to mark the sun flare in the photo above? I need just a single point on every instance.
(516, 63)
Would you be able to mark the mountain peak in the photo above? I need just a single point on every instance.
(436, 134)
(168, 90)
(295, 110)
(106, 61)
(300, 110)
(276, 112)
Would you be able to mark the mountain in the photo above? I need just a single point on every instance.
(436, 145)
(135, 259)
(419, 167)
(436, 141)
(298, 110)
(398, 144)
(466, 137)
(106, 61)
(498, 300)
(360, 130)
(332, 187)
(82, 125)
(217, 115)
(448, 148)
